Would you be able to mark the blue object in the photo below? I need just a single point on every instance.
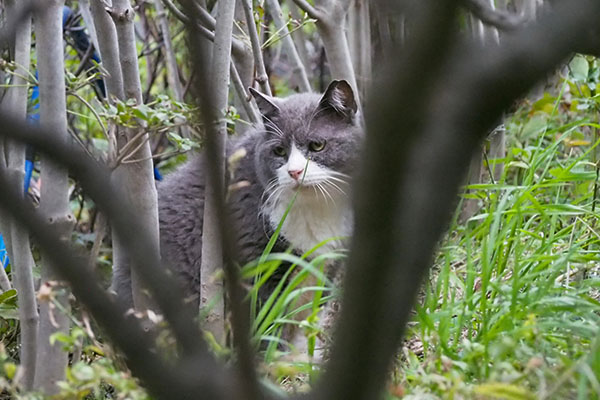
(81, 42)
(28, 173)
(3, 253)
(4, 260)
(66, 14)
(157, 174)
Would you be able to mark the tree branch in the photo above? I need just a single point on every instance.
(212, 101)
(259, 64)
(309, 9)
(416, 153)
(197, 372)
(250, 109)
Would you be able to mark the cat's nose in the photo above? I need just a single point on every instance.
(296, 174)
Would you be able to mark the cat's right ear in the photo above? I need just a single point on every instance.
(266, 105)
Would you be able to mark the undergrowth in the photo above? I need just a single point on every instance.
(512, 306)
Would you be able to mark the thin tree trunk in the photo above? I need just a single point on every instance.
(250, 107)
(243, 61)
(138, 176)
(359, 40)
(84, 8)
(497, 140)
(331, 23)
(54, 203)
(288, 45)
(487, 36)
(497, 150)
(21, 258)
(212, 251)
(259, 64)
(109, 55)
(471, 206)
(5, 283)
(108, 48)
(299, 38)
(170, 61)
(338, 53)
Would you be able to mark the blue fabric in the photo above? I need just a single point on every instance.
(4, 260)
(3, 253)
(66, 14)
(157, 174)
(28, 173)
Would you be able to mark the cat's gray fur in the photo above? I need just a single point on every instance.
(299, 119)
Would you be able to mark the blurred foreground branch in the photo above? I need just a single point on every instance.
(196, 372)
(415, 160)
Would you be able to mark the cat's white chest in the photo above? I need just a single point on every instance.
(312, 220)
(321, 210)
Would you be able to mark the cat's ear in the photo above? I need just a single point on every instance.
(339, 98)
(266, 104)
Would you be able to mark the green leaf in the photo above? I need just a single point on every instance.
(82, 372)
(518, 164)
(142, 111)
(62, 338)
(535, 125)
(8, 295)
(10, 369)
(9, 313)
(580, 68)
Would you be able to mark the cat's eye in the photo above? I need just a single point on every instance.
(279, 151)
(316, 146)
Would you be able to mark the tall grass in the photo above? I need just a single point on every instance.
(512, 307)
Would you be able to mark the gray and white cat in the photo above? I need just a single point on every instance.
(307, 144)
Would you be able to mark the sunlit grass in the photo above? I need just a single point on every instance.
(512, 306)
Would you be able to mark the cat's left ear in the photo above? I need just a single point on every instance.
(266, 105)
(339, 98)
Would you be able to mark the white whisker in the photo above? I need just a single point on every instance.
(335, 186)
(318, 185)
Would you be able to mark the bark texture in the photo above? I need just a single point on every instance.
(21, 259)
(54, 202)
(212, 250)
(137, 175)
(331, 23)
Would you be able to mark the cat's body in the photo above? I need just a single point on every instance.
(307, 145)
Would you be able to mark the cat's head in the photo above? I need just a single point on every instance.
(309, 141)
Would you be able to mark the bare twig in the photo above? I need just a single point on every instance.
(309, 9)
(249, 107)
(92, 110)
(259, 64)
